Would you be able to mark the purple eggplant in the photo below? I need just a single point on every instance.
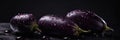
(25, 23)
(59, 27)
(88, 20)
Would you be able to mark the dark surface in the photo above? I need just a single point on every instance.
(9, 36)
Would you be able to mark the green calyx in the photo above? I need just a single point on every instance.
(34, 27)
(108, 28)
(78, 30)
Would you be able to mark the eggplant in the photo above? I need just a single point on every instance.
(52, 25)
(88, 20)
(24, 23)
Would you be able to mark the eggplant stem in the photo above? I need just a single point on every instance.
(108, 28)
(78, 30)
(34, 26)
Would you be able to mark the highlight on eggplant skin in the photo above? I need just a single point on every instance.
(57, 26)
(88, 20)
(25, 23)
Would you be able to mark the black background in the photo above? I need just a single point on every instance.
(107, 9)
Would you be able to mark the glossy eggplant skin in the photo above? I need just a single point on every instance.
(56, 26)
(88, 20)
(24, 22)
(22, 19)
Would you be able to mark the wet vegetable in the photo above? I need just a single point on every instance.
(25, 23)
(58, 27)
(88, 21)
